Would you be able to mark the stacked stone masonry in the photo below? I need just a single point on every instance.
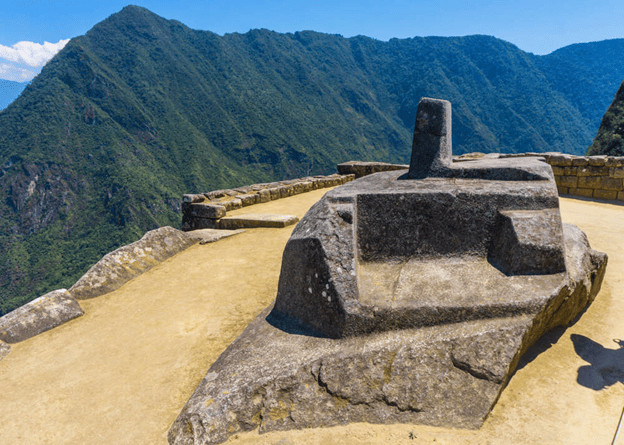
(205, 210)
(600, 177)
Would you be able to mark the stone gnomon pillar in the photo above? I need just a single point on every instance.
(404, 296)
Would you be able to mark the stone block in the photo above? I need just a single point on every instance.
(558, 171)
(255, 220)
(580, 161)
(582, 192)
(562, 190)
(615, 161)
(620, 196)
(193, 198)
(593, 171)
(211, 211)
(232, 204)
(570, 171)
(605, 194)
(597, 161)
(528, 242)
(617, 172)
(40, 315)
(211, 235)
(589, 182)
(248, 199)
(561, 160)
(567, 181)
(607, 183)
(264, 195)
(275, 193)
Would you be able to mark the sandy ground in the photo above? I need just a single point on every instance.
(121, 373)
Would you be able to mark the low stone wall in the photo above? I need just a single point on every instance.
(205, 210)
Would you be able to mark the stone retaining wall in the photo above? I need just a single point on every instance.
(205, 210)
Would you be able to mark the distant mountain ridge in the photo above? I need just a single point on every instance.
(119, 124)
(9, 90)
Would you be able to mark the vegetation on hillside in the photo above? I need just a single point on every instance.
(124, 120)
(609, 140)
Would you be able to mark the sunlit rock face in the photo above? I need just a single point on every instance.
(404, 296)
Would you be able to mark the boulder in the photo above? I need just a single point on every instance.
(40, 315)
(120, 266)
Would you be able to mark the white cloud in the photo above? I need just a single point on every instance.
(25, 59)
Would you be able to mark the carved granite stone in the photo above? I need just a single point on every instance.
(404, 297)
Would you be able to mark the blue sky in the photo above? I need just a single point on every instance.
(537, 26)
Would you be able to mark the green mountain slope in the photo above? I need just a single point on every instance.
(119, 124)
(609, 139)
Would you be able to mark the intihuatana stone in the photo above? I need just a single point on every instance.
(404, 297)
(40, 315)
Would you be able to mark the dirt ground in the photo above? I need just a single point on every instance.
(121, 373)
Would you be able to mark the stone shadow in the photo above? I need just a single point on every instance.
(606, 366)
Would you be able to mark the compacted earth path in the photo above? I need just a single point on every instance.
(121, 373)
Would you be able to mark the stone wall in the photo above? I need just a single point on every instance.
(205, 210)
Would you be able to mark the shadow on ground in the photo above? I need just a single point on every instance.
(606, 366)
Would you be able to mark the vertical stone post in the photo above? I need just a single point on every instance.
(432, 149)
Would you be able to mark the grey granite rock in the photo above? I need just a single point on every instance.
(40, 315)
(120, 266)
(280, 375)
(404, 296)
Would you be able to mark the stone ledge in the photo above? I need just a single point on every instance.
(205, 210)
(206, 236)
(40, 315)
(120, 266)
(255, 220)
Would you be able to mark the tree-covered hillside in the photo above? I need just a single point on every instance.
(609, 140)
(124, 120)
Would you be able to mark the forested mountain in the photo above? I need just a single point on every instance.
(120, 123)
(609, 140)
(9, 91)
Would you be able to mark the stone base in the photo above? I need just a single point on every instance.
(280, 375)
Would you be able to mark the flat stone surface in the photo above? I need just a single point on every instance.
(120, 266)
(40, 315)
(253, 220)
(206, 236)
